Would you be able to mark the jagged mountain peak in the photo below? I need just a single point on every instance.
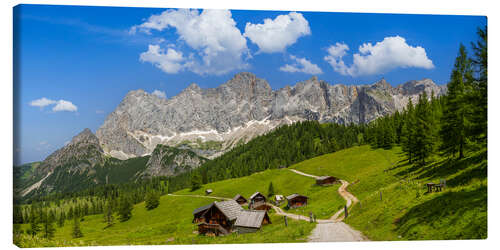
(243, 107)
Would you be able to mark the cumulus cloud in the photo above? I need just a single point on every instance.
(216, 44)
(301, 65)
(159, 93)
(391, 53)
(169, 61)
(275, 35)
(61, 105)
(42, 102)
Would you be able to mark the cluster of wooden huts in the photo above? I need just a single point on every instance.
(224, 217)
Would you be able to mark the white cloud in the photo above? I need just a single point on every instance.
(301, 65)
(42, 102)
(391, 53)
(216, 43)
(275, 35)
(63, 105)
(159, 93)
(170, 61)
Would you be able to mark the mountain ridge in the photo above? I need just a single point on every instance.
(244, 107)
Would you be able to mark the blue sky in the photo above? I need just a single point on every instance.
(83, 60)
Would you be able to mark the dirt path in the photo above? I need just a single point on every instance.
(332, 229)
(200, 196)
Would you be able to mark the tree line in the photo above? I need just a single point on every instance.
(449, 125)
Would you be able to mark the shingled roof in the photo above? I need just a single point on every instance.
(292, 196)
(229, 208)
(250, 218)
(238, 196)
(255, 194)
(200, 209)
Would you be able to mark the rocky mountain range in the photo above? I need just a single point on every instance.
(147, 136)
(242, 108)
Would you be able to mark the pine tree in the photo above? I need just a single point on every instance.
(270, 190)
(62, 219)
(423, 137)
(408, 132)
(34, 223)
(48, 225)
(108, 214)
(480, 96)
(457, 109)
(125, 209)
(76, 233)
(152, 200)
(196, 181)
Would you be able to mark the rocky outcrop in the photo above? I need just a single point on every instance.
(169, 161)
(242, 108)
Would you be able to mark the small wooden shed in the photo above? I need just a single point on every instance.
(240, 199)
(257, 199)
(278, 199)
(250, 221)
(296, 200)
(326, 180)
(208, 191)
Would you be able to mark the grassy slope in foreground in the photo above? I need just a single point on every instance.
(406, 212)
(170, 223)
(172, 219)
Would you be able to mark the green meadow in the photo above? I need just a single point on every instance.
(405, 212)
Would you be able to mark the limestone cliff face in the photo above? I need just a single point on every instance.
(169, 161)
(242, 108)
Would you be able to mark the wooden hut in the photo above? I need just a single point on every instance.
(219, 218)
(326, 180)
(257, 199)
(250, 221)
(208, 191)
(240, 199)
(296, 200)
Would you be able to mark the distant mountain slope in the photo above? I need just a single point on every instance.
(242, 108)
(82, 164)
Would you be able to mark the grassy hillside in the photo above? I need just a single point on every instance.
(323, 201)
(406, 211)
(170, 223)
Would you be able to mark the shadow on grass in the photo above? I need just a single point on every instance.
(465, 210)
(447, 167)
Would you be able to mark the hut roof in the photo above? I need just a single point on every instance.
(255, 194)
(238, 196)
(293, 196)
(279, 197)
(200, 209)
(321, 178)
(208, 190)
(229, 208)
(250, 218)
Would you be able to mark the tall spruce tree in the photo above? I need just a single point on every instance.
(125, 209)
(457, 111)
(270, 190)
(423, 137)
(480, 85)
(76, 232)
(408, 132)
